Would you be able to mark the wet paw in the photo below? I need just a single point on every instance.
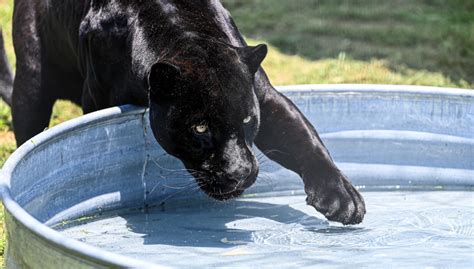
(337, 200)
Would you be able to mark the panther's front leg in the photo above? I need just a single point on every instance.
(288, 138)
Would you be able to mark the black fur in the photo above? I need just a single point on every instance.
(209, 99)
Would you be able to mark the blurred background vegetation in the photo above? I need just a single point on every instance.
(416, 42)
(429, 42)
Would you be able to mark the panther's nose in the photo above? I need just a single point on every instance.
(242, 175)
(248, 179)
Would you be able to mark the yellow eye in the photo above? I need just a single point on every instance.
(201, 128)
(248, 119)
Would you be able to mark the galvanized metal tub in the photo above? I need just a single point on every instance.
(383, 138)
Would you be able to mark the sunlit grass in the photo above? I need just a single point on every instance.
(3, 239)
(285, 69)
(6, 11)
(433, 35)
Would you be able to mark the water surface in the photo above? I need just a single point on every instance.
(402, 229)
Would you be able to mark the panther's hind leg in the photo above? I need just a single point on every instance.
(31, 108)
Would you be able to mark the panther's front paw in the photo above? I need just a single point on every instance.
(336, 199)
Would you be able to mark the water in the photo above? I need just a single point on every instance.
(402, 229)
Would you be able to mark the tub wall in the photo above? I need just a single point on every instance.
(403, 137)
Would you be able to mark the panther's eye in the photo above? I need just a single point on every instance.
(248, 119)
(201, 128)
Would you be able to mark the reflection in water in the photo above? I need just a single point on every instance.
(416, 229)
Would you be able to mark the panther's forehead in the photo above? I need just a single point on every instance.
(217, 80)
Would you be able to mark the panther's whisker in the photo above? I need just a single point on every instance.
(173, 170)
(187, 178)
(191, 182)
(267, 179)
(275, 150)
(177, 187)
(176, 193)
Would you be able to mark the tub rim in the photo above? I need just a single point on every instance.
(100, 256)
(44, 232)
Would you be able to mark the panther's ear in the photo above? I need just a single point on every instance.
(253, 56)
(162, 80)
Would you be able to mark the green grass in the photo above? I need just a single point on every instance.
(417, 42)
(3, 239)
(6, 11)
(425, 35)
(284, 69)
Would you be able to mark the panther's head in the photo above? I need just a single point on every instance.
(204, 111)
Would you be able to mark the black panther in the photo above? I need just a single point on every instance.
(209, 99)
